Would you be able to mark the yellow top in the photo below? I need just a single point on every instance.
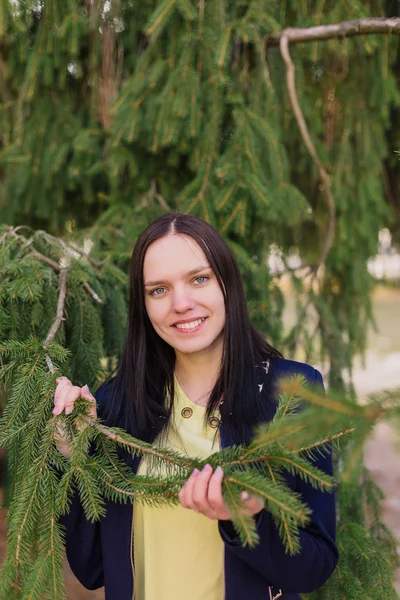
(178, 553)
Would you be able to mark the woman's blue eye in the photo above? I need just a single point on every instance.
(204, 278)
(157, 291)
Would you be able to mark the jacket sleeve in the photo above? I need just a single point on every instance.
(83, 546)
(83, 538)
(313, 565)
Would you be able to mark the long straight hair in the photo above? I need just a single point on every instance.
(142, 392)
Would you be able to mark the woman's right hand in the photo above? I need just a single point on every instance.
(64, 399)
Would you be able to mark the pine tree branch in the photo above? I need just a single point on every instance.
(55, 266)
(263, 58)
(324, 442)
(239, 514)
(370, 413)
(158, 196)
(69, 247)
(142, 447)
(91, 291)
(103, 475)
(43, 462)
(340, 31)
(301, 122)
(296, 35)
(45, 259)
(60, 309)
(291, 541)
(297, 514)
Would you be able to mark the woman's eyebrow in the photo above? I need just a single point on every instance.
(192, 272)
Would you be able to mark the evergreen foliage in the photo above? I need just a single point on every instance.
(43, 479)
(122, 110)
(35, 540)
(368, 552)
(112, 113)
(95, 302)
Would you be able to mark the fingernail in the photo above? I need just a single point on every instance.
(195, 473)
(244, 496)
(207, 468)
(86, 389)
(56, 410)
(219, 470)
(69, 410)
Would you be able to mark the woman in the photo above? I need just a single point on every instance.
(193, 367)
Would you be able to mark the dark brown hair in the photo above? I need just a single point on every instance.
(144, 385)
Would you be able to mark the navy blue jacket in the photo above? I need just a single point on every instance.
(101, 553)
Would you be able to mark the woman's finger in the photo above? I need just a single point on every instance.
(71, 395)
(66, 398)
(61, 383)
(253, 504)
(87, 395)
(186, 492)
(215, 497)
(200, 491)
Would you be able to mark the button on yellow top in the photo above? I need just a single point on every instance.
(214, 422)
(186, 412)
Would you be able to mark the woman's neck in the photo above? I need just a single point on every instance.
(197, 375)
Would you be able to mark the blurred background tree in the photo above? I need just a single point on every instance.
(114, 112)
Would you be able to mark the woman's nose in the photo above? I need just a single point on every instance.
(183, 301)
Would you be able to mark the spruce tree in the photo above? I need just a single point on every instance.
(53, 297)
(113, 113)
(124, 108)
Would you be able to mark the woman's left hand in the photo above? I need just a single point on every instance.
(203, 493)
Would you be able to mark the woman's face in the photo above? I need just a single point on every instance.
(184, 301)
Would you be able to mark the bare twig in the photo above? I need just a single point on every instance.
(342, 30)
(59, 316)
(19, 227)
(60, 308)
(263, 43)
(290, 81)
(69, 247)
(158, 196)
(201, 18)
(55, 266)
(108, 82)
(92, 293)
(45, 259)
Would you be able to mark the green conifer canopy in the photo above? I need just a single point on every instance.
(58, 304)
(112, 113)
(134, 108)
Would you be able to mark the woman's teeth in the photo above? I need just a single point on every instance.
(190, 325)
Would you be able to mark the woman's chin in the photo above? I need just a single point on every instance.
(194, 346)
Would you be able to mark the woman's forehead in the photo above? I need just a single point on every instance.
(171, 255)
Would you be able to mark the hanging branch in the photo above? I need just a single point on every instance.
(91, 291)
(60, 309)
(11, 232)
(44, 480)
(340, 31)
(290, 81)
(158, 196)
(59, 316)
(296, 35)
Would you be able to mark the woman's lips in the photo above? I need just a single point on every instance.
(190, 326)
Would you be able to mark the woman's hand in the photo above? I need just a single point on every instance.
(203, 493)
(64, 399)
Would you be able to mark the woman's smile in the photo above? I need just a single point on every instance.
(189, 326)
